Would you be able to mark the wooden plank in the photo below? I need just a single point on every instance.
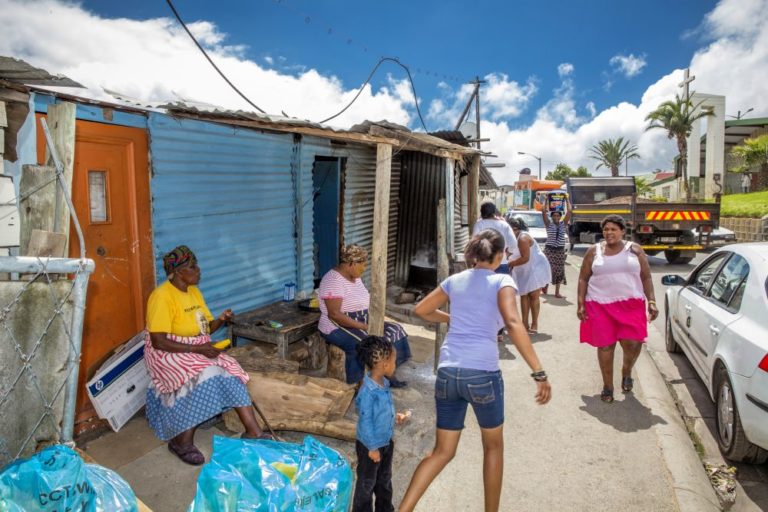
(442, 272)
(473, 184)
(37, 188)
(61, 122)
(378, 255)
(409, 142)
(46, 244)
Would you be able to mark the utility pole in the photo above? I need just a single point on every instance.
(475, 96)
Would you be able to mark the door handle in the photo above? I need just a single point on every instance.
(714, 330)
(687, 308)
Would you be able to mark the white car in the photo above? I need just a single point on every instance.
(718, 316)
(534, 221)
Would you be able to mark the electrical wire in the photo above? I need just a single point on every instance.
(367, 81)
(205, 54)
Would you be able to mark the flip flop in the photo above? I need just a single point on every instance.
(627, 383)
(606, 395)
(188, 454)
(558, 296)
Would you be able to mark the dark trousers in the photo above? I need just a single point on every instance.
(373, 478)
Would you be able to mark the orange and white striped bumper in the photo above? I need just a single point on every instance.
(680, 215)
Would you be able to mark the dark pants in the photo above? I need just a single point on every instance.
(348, 339)
(373, 478)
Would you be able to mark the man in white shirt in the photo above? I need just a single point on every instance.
(746, 181)
(490, 219)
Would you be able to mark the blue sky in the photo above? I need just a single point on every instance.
(561, 75)
(454, 39)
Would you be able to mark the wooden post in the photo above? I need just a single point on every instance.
(442, 271)
(38, 186)
(378, 255)
(61, 122)
(474, 190)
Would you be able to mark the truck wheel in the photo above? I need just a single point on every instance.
(675, 256)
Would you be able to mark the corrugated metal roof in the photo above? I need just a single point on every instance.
(19, 71)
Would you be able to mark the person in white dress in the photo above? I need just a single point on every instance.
(531, 271)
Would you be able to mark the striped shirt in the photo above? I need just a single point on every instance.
(354, 297)
(556, 234)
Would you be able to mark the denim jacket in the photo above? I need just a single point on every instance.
(376, 414)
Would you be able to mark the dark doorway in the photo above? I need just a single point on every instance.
(326, 184)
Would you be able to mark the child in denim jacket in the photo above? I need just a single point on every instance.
(375, 426)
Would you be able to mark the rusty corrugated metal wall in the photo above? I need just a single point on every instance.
(422, 184)
(461, 232)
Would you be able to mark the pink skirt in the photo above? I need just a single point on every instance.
(608, 323)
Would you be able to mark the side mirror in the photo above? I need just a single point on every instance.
(673, 280)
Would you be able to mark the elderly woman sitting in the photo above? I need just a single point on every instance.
(192, 381)
(344, 313)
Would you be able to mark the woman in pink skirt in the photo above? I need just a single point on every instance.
(615, 290)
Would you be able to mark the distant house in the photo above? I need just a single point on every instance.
(663, 185)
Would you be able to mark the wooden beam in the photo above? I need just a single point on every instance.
(380, 239)
(411, 142)
(442, 271)
(474, 190)
(37, 187)
(287, 128)
(61, 122)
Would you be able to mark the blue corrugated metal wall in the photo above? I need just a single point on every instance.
(229, 194)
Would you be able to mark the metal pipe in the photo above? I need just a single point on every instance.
(32, 265)
(79, 291)
(60, 176)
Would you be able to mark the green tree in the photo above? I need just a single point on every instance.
(611, 153)
(753, 153)
(677, 118)
(643, 187)
(563, 171)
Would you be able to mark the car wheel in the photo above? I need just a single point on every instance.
(669, 337)
(730, 434)
(675, 256)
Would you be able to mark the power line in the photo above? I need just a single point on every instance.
(175, 13)
(367, 81)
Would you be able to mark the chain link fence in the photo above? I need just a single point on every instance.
(42, 306)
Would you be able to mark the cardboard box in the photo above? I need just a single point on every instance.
(119, 388)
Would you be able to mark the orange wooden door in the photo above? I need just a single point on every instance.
(110, 191)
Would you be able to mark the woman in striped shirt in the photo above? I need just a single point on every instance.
(557, 235)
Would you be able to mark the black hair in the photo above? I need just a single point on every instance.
(373, 349)
(488, 210)
(484, 246)
(518, 223)
(614, 219)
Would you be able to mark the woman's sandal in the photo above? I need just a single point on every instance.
(188, 454)
(606, 395)
(626, 384)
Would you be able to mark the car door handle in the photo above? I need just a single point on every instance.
(714, 330)
(687, 308)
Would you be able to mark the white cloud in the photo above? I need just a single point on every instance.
(629, 65)
(565, 69)
(269, 60)
(155, 60)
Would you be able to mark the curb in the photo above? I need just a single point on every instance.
(692, 488)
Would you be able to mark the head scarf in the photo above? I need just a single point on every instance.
(353, 254)
(180, 256)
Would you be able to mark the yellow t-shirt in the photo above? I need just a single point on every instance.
(176, 312)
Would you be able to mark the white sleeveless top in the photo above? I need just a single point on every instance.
(615, 278)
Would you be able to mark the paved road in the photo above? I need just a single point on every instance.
(576, 453)
(693, 398)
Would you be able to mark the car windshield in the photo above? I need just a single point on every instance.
(532, 220)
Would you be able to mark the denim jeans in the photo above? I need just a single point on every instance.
(455, 388)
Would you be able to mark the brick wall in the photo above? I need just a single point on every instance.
(747, 230)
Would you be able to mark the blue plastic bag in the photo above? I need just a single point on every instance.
(57, 480)
(270, 476)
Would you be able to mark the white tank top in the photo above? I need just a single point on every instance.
(615, 278)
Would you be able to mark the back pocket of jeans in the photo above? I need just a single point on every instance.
(441, 388)
(481, 393)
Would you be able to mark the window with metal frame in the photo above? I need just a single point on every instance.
(701, 280)
(728, 282)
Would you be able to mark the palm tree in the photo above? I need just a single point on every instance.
(754, 153)
(611, 153)
(677, 118)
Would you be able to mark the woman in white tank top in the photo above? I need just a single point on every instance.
(615, 290)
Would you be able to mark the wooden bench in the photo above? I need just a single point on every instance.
(297, 324)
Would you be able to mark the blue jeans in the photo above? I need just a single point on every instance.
(347, 342)
(502, 269)
(455, 388)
